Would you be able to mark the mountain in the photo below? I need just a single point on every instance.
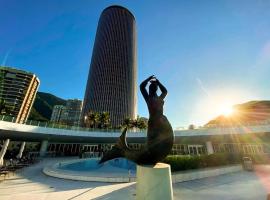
(43, 106)
(252, 112)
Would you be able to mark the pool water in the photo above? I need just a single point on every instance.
(92, 165)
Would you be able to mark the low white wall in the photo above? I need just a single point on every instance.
(50, 172)
(182, 176)
(54, 171)
(176, 176)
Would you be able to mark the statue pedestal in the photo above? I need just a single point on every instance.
(154, 182)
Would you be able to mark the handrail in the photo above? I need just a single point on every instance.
(62, 126)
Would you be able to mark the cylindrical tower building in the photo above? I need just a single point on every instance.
(111, 84)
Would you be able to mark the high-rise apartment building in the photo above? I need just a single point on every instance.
(18, 90)
(111, 85)
(69, 114)
(57, 112)
(72, 113)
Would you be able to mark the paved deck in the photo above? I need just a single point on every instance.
(30, 183)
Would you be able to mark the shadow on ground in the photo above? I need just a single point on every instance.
(33, 175)
(31, 182)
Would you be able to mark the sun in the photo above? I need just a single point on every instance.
(226, 110)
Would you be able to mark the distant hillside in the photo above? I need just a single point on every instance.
(43, 105)
(251, 112)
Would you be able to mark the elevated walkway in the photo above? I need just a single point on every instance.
(24, 132)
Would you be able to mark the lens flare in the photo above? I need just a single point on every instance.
(226, 110)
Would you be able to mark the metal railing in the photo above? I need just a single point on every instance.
(78, 128)
(61, 126)
(250, 123)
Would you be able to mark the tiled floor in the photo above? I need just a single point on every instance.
(31, 183)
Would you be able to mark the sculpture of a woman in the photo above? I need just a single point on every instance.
(159, 134)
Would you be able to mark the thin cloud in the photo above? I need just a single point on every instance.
(202, 86)
(4, 61)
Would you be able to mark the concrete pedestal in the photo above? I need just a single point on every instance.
(154, 182)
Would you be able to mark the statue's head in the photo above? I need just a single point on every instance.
(153, 88)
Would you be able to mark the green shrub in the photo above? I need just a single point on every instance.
(219, 159)
(183, 162)
(186, 162)
(259, 158)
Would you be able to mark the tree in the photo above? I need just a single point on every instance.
(2, 106)
(128, 123)
(142, 123)
(90, 119)
(191, 127)
(104, 119)
(97, 120)
(5, 109)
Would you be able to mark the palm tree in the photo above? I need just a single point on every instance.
(191, 127)
(128, 123)
(90, 119)
(94, 119)
(134, 123)
(141, 123)
(97, 120)
(104, 119)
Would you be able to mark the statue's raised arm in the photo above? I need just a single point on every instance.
(163, 90)
(143, 88)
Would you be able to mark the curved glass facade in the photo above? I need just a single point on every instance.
(112, 78)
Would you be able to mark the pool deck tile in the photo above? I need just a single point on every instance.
(31, 184)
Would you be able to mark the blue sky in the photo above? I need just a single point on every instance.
(209, 54)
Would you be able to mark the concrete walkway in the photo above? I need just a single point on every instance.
(30, 183)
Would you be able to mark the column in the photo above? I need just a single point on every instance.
(71, 150)
(209, 147)
(19, 156)
(43, 148)
(3, 151)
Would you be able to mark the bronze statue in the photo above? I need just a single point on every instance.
(159, 134)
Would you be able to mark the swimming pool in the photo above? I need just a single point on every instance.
(92, 164)
(117, 170)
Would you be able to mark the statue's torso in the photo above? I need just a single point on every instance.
(160, 133)
(155, 107)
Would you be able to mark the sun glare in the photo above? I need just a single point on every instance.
(226, 110)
